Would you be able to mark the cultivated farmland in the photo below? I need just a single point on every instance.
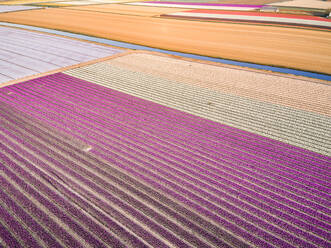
(165, 124)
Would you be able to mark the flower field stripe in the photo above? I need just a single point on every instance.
(26, 62)
(56, 211)
(4, 78)
(6, 237)
(135, 241)
(310, 21)
(54, 172)
(247, 155)
(206, 4)
(168, 176)
(35, 227)
(246, 135)
(10, 8)
(14, 2)
(52, 41)
(242, 7)
(105, 219)
(24, 53)
(182, 244)
(54, 46)
(16, 228)
(240, 134)
(104, 235)
(294, 172)
(177, 241)
(19, 48)
(43, 218)
(202, 123)
(270, 168)
(259, 86)
(277, 122)
(262, 14)
(279, 110)
(64, 178)
(14, 71)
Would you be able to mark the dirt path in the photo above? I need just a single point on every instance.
(286, 47)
